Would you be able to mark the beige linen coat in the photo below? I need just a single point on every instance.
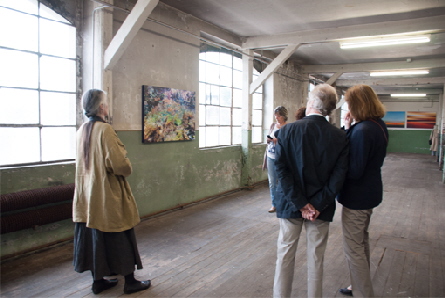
(434, 137)
(102, 197)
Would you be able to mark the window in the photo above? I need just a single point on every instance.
(37, 84)
(220, 99)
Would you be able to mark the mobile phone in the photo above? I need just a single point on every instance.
(269, 137)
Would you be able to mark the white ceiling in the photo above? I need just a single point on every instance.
(319, 24)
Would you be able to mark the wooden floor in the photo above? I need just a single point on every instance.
(226, 247)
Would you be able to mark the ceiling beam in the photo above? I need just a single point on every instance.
(333, 78)
(364, 67)
(273, 66)
(401, 82)
(134, 21)
(431, 24)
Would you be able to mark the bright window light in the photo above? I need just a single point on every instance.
(408, 95)
(397, 73)
(383, 41)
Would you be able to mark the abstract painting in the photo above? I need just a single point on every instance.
(394, 119)
(421, 120)
(167, 114)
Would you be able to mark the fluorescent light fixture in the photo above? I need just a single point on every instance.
(397, 73)
(383, 41)
(408, 95)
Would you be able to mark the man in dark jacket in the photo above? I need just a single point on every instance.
(311, 164)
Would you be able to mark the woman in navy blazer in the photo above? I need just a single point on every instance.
(363, 188)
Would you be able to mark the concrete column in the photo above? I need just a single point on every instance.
(442, 136)
(98, 35)
(303, 96)
(246, 143)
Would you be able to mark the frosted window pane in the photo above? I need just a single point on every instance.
(237, 117)
(237, 79)
(257, 117)
(237, 63)
(212, 115)
(202, 136)
(202, 56)
(225, 96)
(212, 73)
(19, 145)
(208, 99)
(57, 74)
(18, 30)
(202, 115)
(28, 6)
(18, 69)
(256, 134)
(214, 91)
(311, 87)
(212, 136)
(50, 14)
(57, 39)
(257, 101)
(226, 59)
(58, 143)
(202, 93)
(224, 136)
(225, 118)
(212, 57)
(237, 98)
(19, 106)
(58, 108)
(236, 135)
(202, 71)
(226, 76)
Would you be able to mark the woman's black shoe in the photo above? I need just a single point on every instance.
(346, 291)
(102, 285)
(136, 287)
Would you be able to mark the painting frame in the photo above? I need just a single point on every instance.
(168, 114)
(395, 119)
(420, 119)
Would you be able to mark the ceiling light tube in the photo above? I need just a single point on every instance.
(408, 95)
(397, 73)
(384, 41)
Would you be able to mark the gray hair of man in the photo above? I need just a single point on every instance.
(323, 98)
(91, 101)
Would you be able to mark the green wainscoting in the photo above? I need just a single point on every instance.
(410, 141)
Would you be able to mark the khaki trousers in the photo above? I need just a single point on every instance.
(317, 233)
(355, 225)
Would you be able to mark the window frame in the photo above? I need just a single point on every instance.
(45, 13)
(206, 83)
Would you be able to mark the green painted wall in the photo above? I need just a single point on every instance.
(410, 141)
(164, 176)
(24, 178)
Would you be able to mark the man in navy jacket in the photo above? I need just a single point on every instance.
(311, 164)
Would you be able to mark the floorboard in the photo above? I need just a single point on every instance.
(226, 247)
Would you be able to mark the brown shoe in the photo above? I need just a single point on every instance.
(272, 209)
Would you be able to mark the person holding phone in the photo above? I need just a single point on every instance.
(280, 114)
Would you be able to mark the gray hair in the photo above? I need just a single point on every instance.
(91, 101)
(324, 98)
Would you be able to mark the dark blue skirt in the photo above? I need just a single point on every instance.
(105, 253)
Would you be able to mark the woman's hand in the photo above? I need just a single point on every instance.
(347, 120)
